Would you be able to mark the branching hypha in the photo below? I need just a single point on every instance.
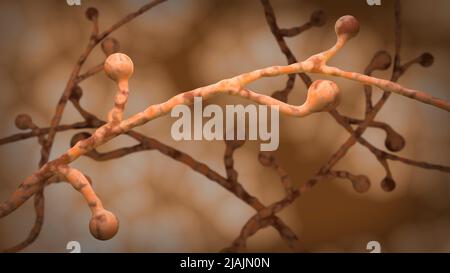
(322, 96)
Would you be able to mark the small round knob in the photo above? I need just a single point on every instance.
(318, 18)
(118, 67)
(91, 14)
(380, 61)
(426, 59)
(76, 93)
(110, 46)
(347, 26)
(23, 122)
(388, 184)
(394, 141)
(361, 183)
(103, 225)
(322, 95)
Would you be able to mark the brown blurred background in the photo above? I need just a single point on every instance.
(163, 206)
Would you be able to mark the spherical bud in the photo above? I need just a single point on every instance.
(118, 66)
(103, 225)
(91, 14)
(361, 183)
(79, 136)
(426, 59)
(322, 95)
(388, 184)
(23, 122)
(380, 61)
(110, 46)
(76, 93)
(394, 141)
(318, 18)
(347, 26)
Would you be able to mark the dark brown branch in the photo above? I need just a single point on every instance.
(44, 131)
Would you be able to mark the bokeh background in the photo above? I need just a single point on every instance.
(163, 206)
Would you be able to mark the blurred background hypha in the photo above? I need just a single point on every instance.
(165, 206)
